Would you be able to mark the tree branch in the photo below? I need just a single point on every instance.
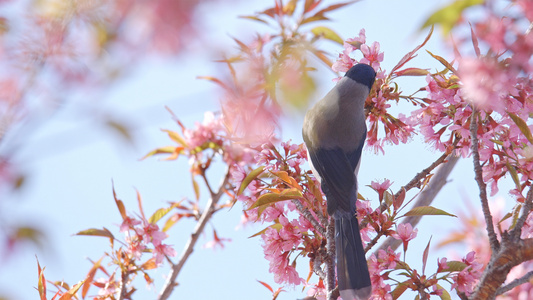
(189, 247)
(424, 199)
(515, 283)
(309, 217)
(510, 254)
(123, 288)
(330, 260)
(413, 183)
(493, 239)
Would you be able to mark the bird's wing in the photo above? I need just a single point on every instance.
(336, 169)
(337, 177)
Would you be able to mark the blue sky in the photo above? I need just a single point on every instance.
(72, 160)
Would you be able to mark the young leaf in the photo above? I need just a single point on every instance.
(522, 126)
(443, 61)
(176, 137)
(162, 150)
(427, 211)
(41, 283)
(425, 257)
(119, 203)
(410, 55)
(254, 18)
(90, 277)
(267, 286)
(475, 41)
(270, 198)
(276, 226)
(327, 33)
(72, 292)
(455, 266)
(445, 295)
(514, 174)
(160, 213)
(449, 15)
(246, 181)
(196, 188)
(97, 232)
(399, 290)
(412, 72)
(335, 6)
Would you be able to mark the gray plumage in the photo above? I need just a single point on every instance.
(334, 132)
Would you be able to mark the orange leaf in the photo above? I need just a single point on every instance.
(90, 277)
(119, 203)
(267, 286)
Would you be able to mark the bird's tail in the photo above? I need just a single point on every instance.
(352, 269)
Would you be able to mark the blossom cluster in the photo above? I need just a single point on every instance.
(139, 234)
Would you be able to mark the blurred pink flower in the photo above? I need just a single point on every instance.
(162, 250)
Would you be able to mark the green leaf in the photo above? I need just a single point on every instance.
(162, 150)
(514, 174)
(399, 290)
(276, 226)
(314, 19)
(176, 137)
(425, 257)
(160, 213)
(445, 295)
(412, 72)
(427, 211)
(523, 126)
(97, 232)
(327, 33)
(246, 181)
(254, 18)
(270, 198)
(196, 188)
(448, 16)
(121, 128)
(443, 61)
(455, 266)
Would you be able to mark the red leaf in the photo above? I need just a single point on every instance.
(425, 257)
(411, 55)
(475, 41)
(267, 286)
(119, 203)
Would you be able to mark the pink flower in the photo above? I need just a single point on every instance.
(237, 174)
(381, 187)
(354, 43)
(372, 56)
(135, 246)
(277, 248)
(162, 250)
(344, 63)
(216, 242)
(465, 280)
(129, 223)
(317, 291)
(405, 233)
(442, 264)
(150, 233)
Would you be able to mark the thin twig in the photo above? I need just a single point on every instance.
(330, 259)
(424, 199)
(515, 283)
(411, 184)
(309, 216)
(189, 247)
(493, 239)
(123, 288)
(527, 208)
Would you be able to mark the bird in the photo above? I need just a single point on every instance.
(334, 132)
